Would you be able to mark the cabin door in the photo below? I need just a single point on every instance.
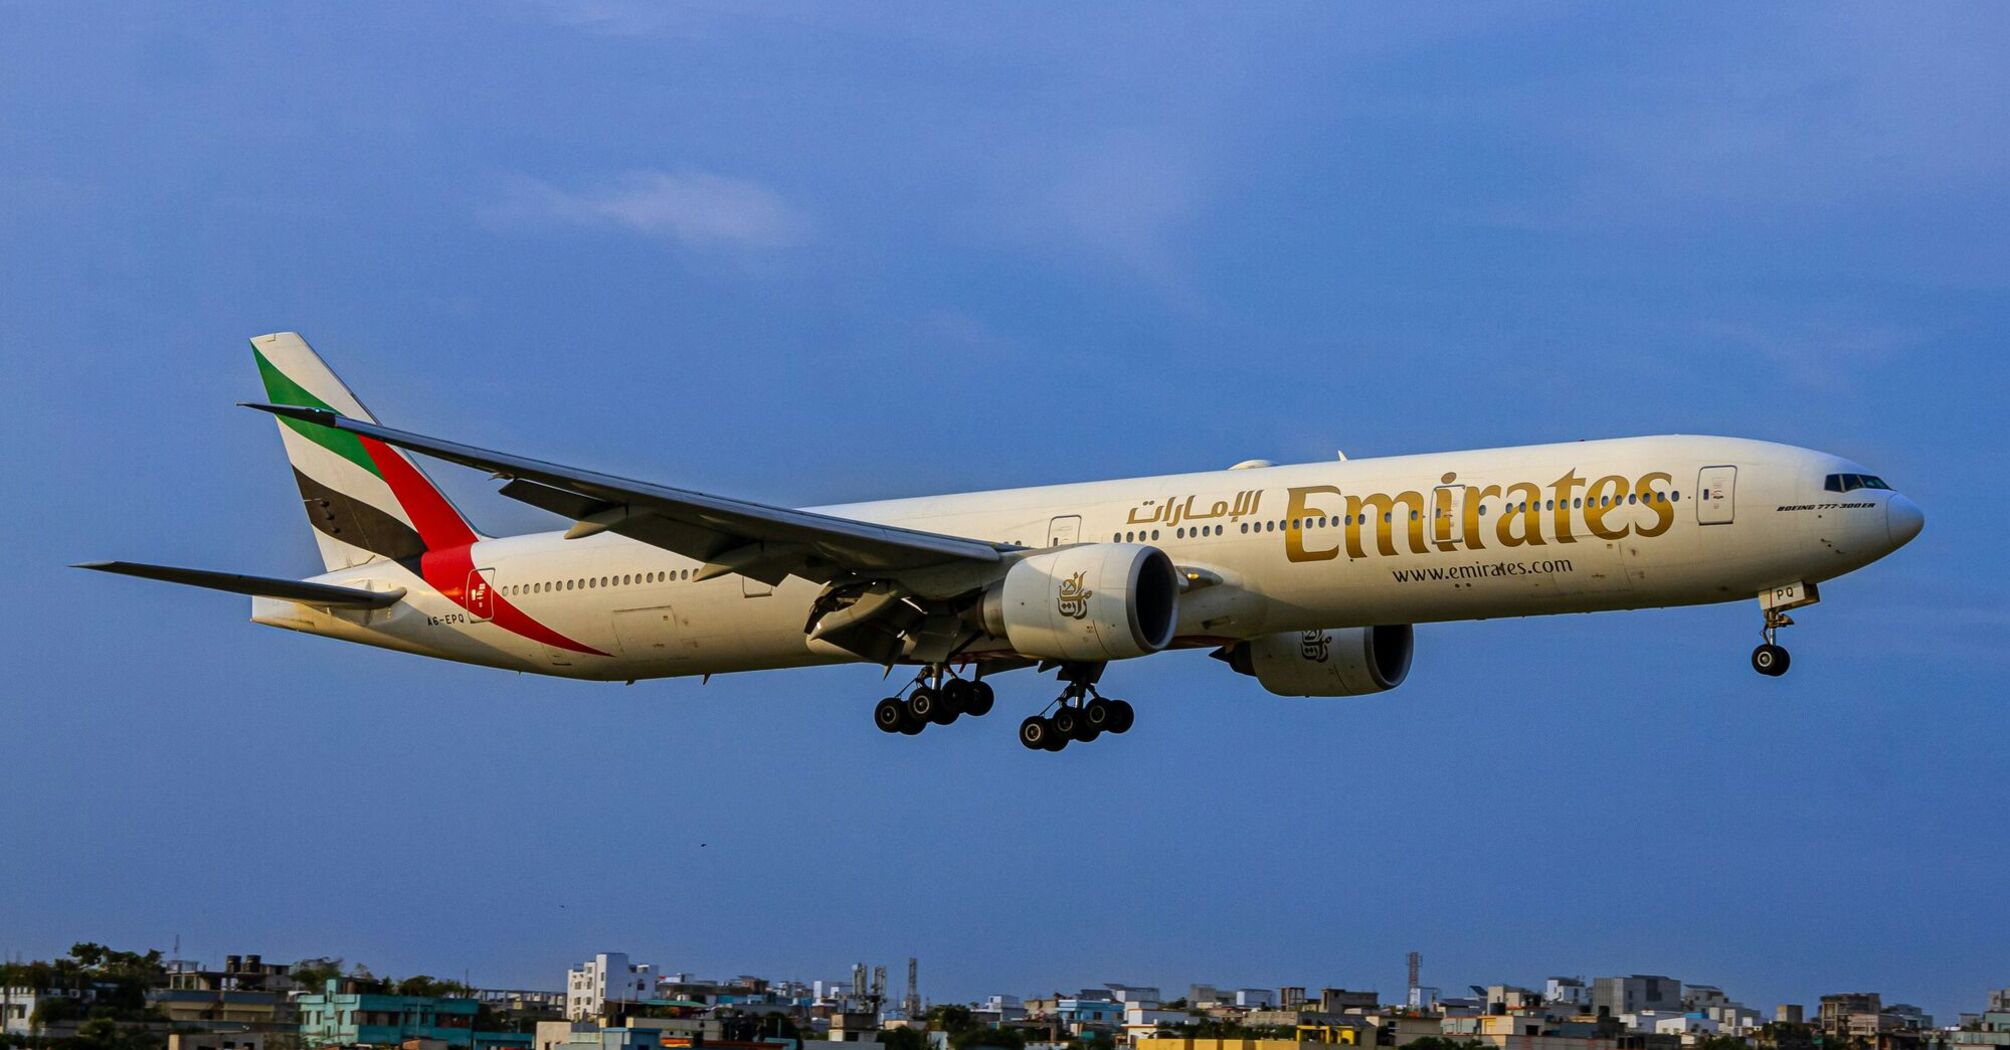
(1715, 494)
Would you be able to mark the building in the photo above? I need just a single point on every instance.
(1851, 1015)
(1081, 1015)
(1143, 1020)
(1341, 1001)
(1135, 993)
(1566, 994)
(606, 977)
(336, 1018)
(1256, 998)
(243, 1006)
(1613, 996)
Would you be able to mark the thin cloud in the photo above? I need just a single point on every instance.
(694, 208)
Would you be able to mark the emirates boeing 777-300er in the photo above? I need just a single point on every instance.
(1307, 577)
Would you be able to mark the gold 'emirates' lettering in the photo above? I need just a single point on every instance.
(1456, 515)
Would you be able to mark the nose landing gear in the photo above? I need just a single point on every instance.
(1770, 658)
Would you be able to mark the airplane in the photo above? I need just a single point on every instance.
(1307, 577)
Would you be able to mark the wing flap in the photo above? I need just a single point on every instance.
(306, 592)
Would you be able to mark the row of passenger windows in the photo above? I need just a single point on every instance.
(1852, 482)
(1524, 506)
(595, 582)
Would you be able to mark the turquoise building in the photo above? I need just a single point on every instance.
(336, 1018)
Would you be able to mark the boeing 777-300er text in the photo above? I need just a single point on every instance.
(1306, 577)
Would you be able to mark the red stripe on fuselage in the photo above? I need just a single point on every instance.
(447, 572)
(449, 556)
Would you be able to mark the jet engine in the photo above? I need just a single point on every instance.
(1097, 601)
(1351, 661)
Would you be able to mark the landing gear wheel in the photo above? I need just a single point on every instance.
(1770, 660)
(925, 705)
(1067, 721)
(1122, 716)
(956, 695)
(1097, 715)
(910, 727)
(889, 714)
(977, 702)
(1036, 733)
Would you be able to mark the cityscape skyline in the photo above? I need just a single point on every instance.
(1939, 1003)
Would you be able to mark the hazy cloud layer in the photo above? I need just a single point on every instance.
(694, 208)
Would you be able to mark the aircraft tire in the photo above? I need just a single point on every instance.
(889, 714)
(925, 705)
(1770, 660)
(979, 702)
(1122, 716)
(1067, 721)
(1034, 733)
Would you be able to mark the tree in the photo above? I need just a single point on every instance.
(1439, 1042)
(903, 1039)
(979, 1037)
(950, 1018)
(314, 974)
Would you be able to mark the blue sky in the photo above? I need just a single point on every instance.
(812, 253)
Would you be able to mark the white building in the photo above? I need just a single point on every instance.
(1256, 998)
(1566, 992)
(1141, 1020)
(607, 977)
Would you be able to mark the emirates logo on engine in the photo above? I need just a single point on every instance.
(1074, 598)
(1315, 645)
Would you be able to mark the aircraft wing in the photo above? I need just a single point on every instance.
(303, 591)
(728, 535)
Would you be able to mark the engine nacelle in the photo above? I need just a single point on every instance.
(1351, 661)
(1098, 601)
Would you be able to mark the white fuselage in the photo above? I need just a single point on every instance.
(1445, 536)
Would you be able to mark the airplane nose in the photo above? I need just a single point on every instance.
(1903, 519)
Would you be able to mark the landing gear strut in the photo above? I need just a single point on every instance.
(1770, 658)
(936, 697)
(1080, 714)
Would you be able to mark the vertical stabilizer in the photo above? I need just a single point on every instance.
(365, 499)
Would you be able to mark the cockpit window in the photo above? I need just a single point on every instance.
(1852, 482)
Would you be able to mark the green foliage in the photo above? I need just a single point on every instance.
(951, 1018)
(1439, 1042)
(314, 974)
(903, 1039)
(979, 1037)
(434, 987)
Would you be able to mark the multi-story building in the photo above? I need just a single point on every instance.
(1256, 998)
(336, 1018)
(1613, 996)
(1341, 1001)
(606, 977)
(1566, 995)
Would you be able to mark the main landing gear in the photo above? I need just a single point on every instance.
(1082, 715)
(937, 698)
(1771, 659)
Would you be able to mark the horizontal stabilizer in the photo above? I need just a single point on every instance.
(326, 594)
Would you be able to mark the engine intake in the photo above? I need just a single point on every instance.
(1350, 661)
(1097, 601)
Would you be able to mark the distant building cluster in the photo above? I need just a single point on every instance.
(119, 1001)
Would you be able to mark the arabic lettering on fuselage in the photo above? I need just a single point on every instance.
(1176, 509)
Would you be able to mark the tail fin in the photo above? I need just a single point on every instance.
(366, 500)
